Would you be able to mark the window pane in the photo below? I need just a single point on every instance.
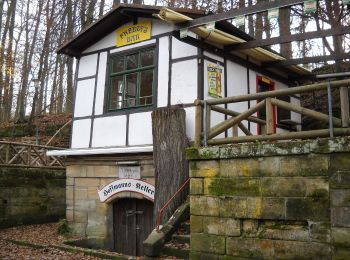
(116, 94)
(147, 58)
(117, 64)
(132, 61)
(146, 87)
(131, 90)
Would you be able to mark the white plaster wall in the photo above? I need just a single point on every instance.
(190, 122)
(108, 41)
(131, 46)
(109, 131)
(237, 85)
(158, 26)
(163, 71)
(184, 82)
(87, 66)
(84, 98)
(140, 129)
(181, 49)
(81, 133)
(100, 87)
(213, 56)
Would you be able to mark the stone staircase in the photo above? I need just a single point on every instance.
(178, 247)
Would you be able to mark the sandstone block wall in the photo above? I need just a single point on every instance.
(288, 200)
(31, 196)
(86, 215)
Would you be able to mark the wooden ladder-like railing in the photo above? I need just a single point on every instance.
(205, 134)
(23, 155)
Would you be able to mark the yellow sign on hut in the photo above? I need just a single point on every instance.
(134, 33)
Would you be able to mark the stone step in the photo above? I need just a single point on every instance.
(186, 227)
(182, 238)
(182, 253)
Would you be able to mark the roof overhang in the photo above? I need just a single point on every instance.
(102, 151)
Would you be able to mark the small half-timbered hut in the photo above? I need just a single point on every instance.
(128, 63)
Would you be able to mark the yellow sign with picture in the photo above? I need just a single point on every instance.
(214, 80)
(134, 33)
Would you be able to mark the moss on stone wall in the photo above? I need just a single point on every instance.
(29, 196)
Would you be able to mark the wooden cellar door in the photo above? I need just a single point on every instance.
(133, 222)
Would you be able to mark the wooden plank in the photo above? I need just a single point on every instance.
(218, 129)
(234, 113)
(258, 8)
(315, 59)
(277, 93)
(244, 129)
(207, 120)
(306, 112)
(269, 117)
(283, 136)
(235, 130)
(344, 105)
(198, 126)
(339, 30)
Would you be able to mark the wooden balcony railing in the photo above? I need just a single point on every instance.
(28, 156)
(205, 133)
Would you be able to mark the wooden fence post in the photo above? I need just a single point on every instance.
(269, 117)
(198, 124)
(344, 106)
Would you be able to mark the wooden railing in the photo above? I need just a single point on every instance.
(28, 156)
(205, 133)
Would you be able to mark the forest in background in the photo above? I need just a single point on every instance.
(34, 80)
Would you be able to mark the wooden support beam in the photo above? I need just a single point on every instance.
(234, 113)
(339, 30)
(235, 130)
(305, 111)
(198, 125)
(269, 117)
(344, 105)
(258, 8)
(283, 136)
(244, 129)
(289, 62)
(218, 129)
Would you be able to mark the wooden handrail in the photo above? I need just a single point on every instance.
(269, 101)
(160, 212)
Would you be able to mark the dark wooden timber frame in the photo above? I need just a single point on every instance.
(258, 8)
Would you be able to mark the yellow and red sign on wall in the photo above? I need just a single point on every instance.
(134, 33)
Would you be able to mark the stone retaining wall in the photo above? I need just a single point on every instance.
(287, 200)
(31, 196)
(86, 214)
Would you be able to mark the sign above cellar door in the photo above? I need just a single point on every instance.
(129, 172)
(134, 33)
(130, 185)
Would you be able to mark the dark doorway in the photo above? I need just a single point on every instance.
(133, 222)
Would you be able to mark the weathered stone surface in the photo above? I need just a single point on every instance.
(208, 243)
(315, 209)
(340, 180)
(101, 171)
(196, 224)
(341, 237)
(320, 231)
(268, 166)
(69, 181)
(250, 227)
(285, 232)
(80, 194)
(76, 171)
(80, 216)
(69, 193)
(340, 198)
(301, 165)
(87, 182)
(196, 186)
(69, 215)
(341, 254)
(232, 186)
(204, 205)
(235, 207)
(204, 169)
(221, 226)
(339, 162)
(341, 216)
(265, 208)
(249, 248)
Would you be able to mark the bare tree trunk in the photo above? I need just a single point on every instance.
(171, 166)
(250, 22)
(102, 6)
(284, 28)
